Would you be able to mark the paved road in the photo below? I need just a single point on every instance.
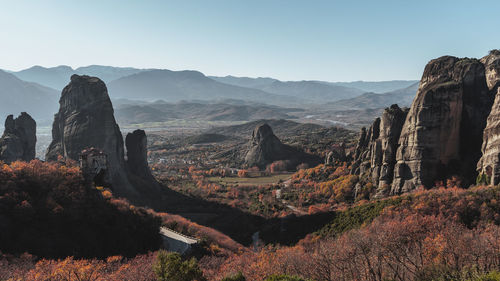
(176, 242)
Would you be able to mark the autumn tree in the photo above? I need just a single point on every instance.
(242, 173)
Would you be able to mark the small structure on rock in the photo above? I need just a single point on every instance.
(94, 165)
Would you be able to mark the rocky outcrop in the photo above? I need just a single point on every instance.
(442, 134)
(376, 149)
(448, 131)
(137, 154)
(336, 154)
(391, 124)
(266, 148)
(85, 120)
(490, 159)
(19, 139)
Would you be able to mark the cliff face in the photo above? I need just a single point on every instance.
(85, 120)
(442, 134)
(19, 139)
(391, 125)
(489, 162)
(265, 148)
(376, 152)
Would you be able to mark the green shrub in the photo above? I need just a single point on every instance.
(492, 276)
(355, 217)
(170, 267)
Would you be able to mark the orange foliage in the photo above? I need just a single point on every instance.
(242, 173)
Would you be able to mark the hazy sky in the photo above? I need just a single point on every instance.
(289, 40)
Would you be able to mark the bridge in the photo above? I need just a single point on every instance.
(175, 241)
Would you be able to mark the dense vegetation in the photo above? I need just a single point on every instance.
(447, 233)
(46, 209)
(442, 234)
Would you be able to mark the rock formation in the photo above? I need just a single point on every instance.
(265, 148)
(376, 151)
(391, 125)
(489, 162)
(19, 139)
(337, 154)
(85, 120)
(137, 155)
(442, 134)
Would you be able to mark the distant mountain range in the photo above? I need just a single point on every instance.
(161, 111)
(378, 86)
(17, 96)
(58, 77)
(174, 86)
(217, 98)
(314, 91)
(361, 86)
(402, 97)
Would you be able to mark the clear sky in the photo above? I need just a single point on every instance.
(290, 40)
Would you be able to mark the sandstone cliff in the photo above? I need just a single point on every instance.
(85, 120)
(19, 139)
(391, 125)
(489, 162)
(376, 151)
(442, 134)
(265, 148)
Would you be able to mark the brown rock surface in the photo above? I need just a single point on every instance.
(85, 120)
(442, 134)
(490, 159)
(376, 150)
(391, 125)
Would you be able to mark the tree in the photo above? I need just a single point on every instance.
(170, 267)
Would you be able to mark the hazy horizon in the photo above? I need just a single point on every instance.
(227, 75)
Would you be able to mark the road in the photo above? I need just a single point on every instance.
(176, 242)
